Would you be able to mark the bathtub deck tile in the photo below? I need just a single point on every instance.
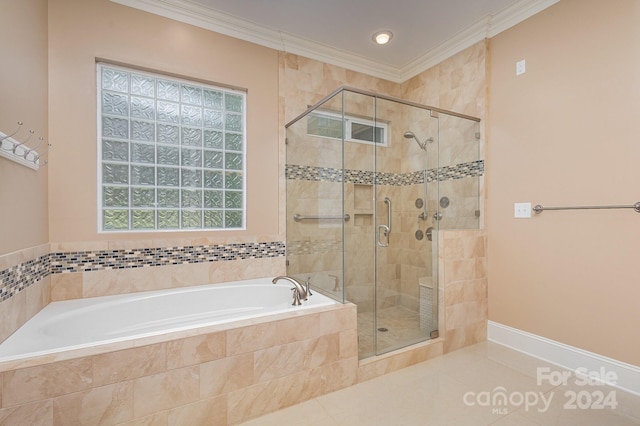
(273, 395)
(212, 411)
(322, 351)
(157, 419)
(196, 350)
(39, 413)
(226, 375)
(104, 405)
(46, 381)
(252, 338)
(299, 328)
(250, 402)
(348, 344)
(129, 364)
(279, 361)
(341, 319)
(340, 375)
(165, 391)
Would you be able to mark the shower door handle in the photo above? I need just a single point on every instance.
(385, 229)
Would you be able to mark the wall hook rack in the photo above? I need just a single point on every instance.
(19, 151)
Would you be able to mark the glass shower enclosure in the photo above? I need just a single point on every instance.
(370, 181)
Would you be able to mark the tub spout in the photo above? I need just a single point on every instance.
(299, 292)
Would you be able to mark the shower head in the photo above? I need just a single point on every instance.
(423, 145)
(409, 134)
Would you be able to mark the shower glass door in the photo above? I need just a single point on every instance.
(390, 194)
(363, 208)
(405, 199)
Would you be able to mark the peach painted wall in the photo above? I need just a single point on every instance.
(80, 32)
(23, 85)
(566, 133)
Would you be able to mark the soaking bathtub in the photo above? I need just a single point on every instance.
(205, 353)
(90, 322)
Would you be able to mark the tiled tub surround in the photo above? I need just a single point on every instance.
(223, 375)
(25, 284)
(30, 279)
(226, 371)
(23, 275)
(86, 261)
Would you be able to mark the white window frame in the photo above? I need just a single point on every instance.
(347, 128)
(101, 207)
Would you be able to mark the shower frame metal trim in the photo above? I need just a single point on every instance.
(378, 96)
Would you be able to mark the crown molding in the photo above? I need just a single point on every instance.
(487, 27)
(516, 13)
(310, 49)
(203, 17)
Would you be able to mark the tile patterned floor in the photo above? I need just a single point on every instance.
(453, 390)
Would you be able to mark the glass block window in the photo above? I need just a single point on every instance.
(171, 153)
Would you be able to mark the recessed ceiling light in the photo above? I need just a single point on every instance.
(383, 37)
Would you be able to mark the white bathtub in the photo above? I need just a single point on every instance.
(83, 323)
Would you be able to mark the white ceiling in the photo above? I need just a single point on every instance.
(340, 31)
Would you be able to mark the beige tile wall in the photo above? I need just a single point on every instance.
(16, 310)
(107, 282)
(463, 279)
(22, 306)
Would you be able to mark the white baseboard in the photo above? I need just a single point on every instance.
(569, 357)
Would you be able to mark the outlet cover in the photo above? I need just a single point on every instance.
(522, 210)
(521, 67)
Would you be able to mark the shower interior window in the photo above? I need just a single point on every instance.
(354, 129)
(171, 153)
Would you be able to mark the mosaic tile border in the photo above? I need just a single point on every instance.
(18, 277)
(86, 261)
(300, 248)
(328, 174)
